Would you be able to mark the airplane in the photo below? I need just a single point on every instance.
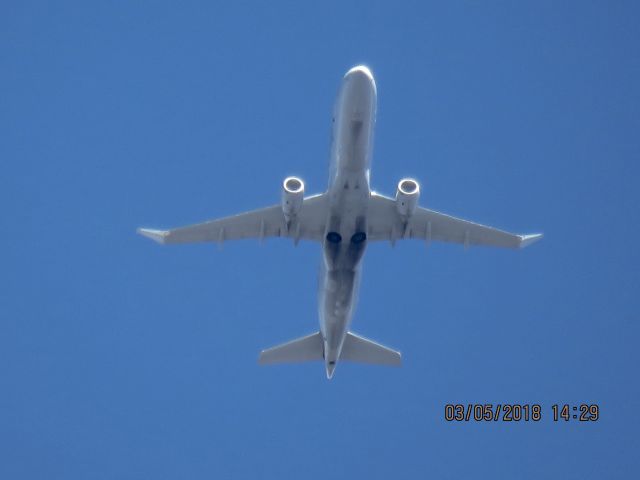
(344, 219)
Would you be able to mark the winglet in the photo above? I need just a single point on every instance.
(526, 240)
(155, 235)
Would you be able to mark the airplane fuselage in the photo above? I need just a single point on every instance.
(345, 234)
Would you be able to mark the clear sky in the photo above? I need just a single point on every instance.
(123, 359)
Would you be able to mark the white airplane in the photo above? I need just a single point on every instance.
(343, 220)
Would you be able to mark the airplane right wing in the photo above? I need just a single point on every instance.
(309, 224)
(386, 224)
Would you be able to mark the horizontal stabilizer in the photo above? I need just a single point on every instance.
(361, 350)
(303, 349)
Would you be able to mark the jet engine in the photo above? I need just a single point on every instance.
(292, 196)
(407, 196)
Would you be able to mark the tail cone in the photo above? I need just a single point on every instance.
(330, 367)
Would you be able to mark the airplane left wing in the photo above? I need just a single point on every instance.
(309, 224)
(386, 224)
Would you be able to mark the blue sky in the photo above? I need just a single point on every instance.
(123, 359)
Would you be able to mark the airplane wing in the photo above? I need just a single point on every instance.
(309, 224)
(386, 224)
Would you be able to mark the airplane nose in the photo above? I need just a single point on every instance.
(360, 79)
(360, 70)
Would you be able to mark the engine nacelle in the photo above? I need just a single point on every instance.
(292, 196)
(407, 196)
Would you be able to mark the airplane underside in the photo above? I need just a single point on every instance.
(343, 220)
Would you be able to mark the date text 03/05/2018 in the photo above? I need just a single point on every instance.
(515, 412)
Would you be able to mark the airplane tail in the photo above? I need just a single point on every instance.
(310, 348)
